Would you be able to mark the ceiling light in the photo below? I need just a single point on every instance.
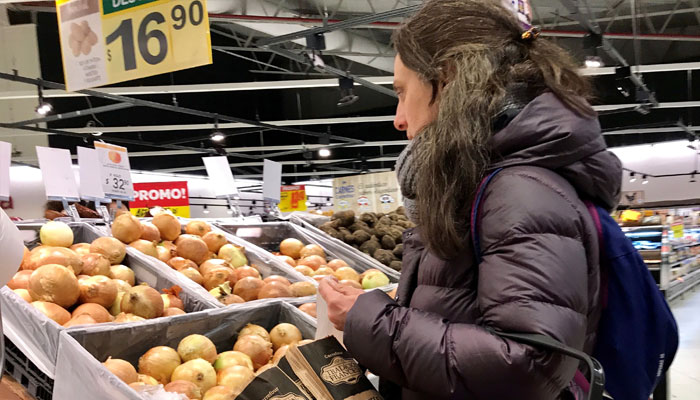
(43, 108)
(632, 177)
(644, 180)
(593, 62)
(217, 136)
(692, 178)
(97, 133)
(308, 204)
(206, 209)
(324, 153)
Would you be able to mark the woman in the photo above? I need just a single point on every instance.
(476, 93)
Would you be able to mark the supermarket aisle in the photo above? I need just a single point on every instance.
(685, 371)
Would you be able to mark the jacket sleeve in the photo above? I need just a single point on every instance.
(533, 279)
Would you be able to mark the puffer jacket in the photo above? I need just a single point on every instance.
(539, 273)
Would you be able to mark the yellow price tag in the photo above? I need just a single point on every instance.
(292, 198)
(677, 230)
(112, 41)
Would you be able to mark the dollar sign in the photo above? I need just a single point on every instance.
(109, 55)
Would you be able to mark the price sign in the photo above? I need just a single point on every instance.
(116, 172)
(272, 180)
(677, 230)
(108, 41)
(57, 173)
(220, 175)
(292, 198)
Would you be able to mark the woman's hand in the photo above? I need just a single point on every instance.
(340, 299)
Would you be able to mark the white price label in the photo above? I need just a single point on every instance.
(116, 172)
(57, 172)
(272, 180)
(220, 176)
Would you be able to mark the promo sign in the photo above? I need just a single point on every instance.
(172, 196)
(292, 198)
(108, 41)
(367, 193)
(116, 171)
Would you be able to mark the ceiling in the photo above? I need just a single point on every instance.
(252, 90)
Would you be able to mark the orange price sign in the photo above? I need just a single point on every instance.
(292, 198)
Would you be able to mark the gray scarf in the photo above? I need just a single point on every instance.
(406, 174)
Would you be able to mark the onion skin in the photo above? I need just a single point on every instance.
(199, 228)
(311, 250)
(53, 311)
(178, 263)
(304, 270)
(54, 255)
(159, 362)
(231, 358)
(95, 264)
(24, 294)
(313, 261)
(172, 311)
(122, 272)
(221, 393)
(197, 346)
(291, 248)
(149, 232)
(113, 249)
(55, 233)
(337, 263)
(198, 371)
(20, 280)
(193, 274)
(284, 333)
(44, 285)
(277, 278)
(248, 288)
(309, 308)
(214, 241)
(187, 388)
(82, 319)
(252, 329)
(145, 247)
(95, 311)
(192, 247)
(168, 225)
(235, 377)
(301, 289)
(244, 272)
(98, 289)
(126, 228)
(81, 248)
(274, 289)
(258, 349)
(289, 260)
(122, 369)
(142, 301)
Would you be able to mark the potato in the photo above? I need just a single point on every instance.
(360, 237)
(395, 265)
(388, 243)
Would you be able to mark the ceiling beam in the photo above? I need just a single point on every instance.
(260, 164)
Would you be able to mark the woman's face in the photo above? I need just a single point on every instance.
(414, 110)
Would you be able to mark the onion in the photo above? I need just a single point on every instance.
(187, 388)
(122, 286)
(193, 274)
(292, 248)
(231, 358)
(138, 386)
(324, 271)
(284, 333)
(95, 264)
(20, 280)
(364, 273)
(312, 250)
(231, 299)
(354, 284)
(274, 289)
(214, 263)
(248, 288)
(81, 248)
(95, 311)
(335, 264)
(244, 272)
(264, 368)
(124, 317)
(143, 301)
(163, 254)
(126, 228)
(24, 294)
(113, 249)
(53, 311)
(277, 278)
(319, 278)
(149, 232)
(98, 289)
(347, 273)
(279, 353)
(148, 380)
(197, 346)
(168, 226)
(313, 261)
(122, 369)
(301, 289)
(172, 311)
(235, 255)
(116, 307)
(217, 276)
(198, 371)
(122, 272)
(258, 349)
(192, 247)
(304, 270)
(159, 362)
(252, 329)
(82, 319)
(214, 241)
(145, 247)
(55, 255)
(235, 377)
(199, 228)
(25, 259)
(172, 301)
(54, 283)
(220, 393)
(309, 308)
(178, 263)
(288, 260)
(55, 233)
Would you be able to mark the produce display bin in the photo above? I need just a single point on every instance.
(37, 336)
(80, 374)
(269, 235)
(18, 366)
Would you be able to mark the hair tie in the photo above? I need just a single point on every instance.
(530, 34)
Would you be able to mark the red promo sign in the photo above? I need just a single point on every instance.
(163, 194)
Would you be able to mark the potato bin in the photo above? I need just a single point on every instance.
(37, 336)
(80, 374)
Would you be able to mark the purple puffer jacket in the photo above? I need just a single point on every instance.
(539, 274)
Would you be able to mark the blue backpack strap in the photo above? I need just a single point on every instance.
(476, 205)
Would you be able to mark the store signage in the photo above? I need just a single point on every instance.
(57, 172)
(220, 175)
(90, 175)
(115, 171)
(172, 196)
(367, 193)
(272, 180)
(677, 230)
(5, 160)
(292, 198)
(108, 41)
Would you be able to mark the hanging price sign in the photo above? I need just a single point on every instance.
(292, 198)
(108, 41)
(116, 172)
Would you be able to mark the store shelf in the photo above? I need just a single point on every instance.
(685, 246)
(678, 287)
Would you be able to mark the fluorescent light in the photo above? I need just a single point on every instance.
(324, 153)
(217, 137)
(645, 180)
(593, 62)
(44, 108)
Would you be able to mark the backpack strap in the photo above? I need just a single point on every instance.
(593, 210)
(476, 206)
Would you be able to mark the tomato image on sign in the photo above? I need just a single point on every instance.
(114, 157)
